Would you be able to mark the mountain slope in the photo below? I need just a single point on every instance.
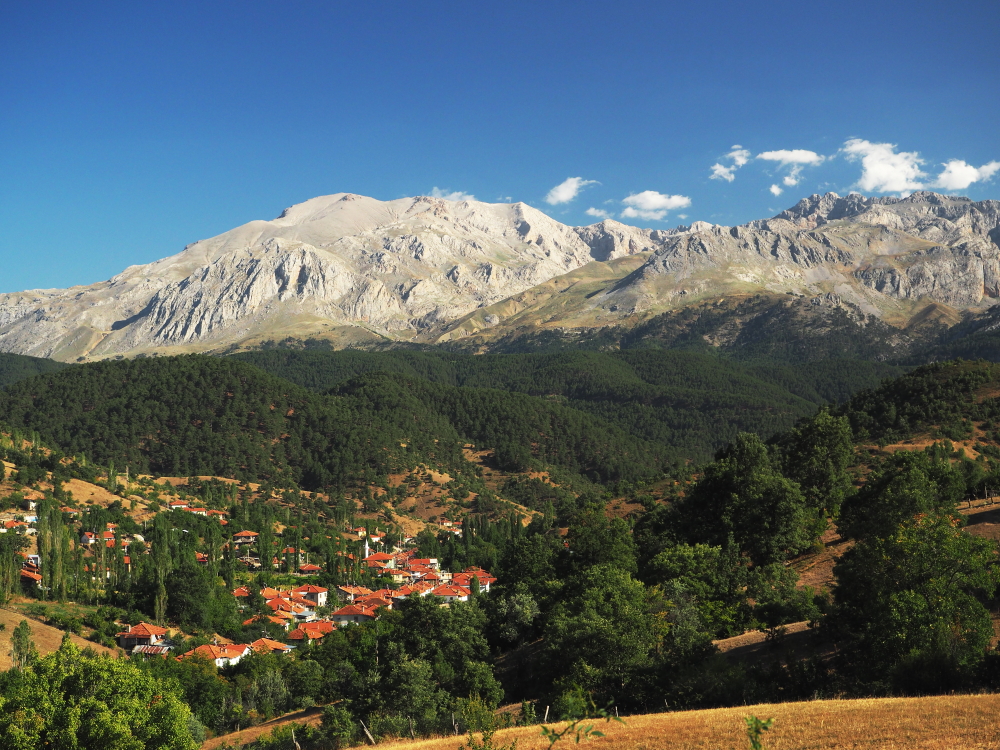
(357, 271)
(382, 269)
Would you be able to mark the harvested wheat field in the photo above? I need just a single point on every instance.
(953, 722)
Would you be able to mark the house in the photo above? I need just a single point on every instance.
(374, 602)
(299, 611)
(397, 576)
(306, 634)
(223, 656)
(353, 614)
(143, 634)
(88, 537)
(245, 537)
(267, 646)
(348, 593)
(405, 591)
(291, 551)
(309, 569)
(315, 594)
(281, 619)
(451, 594)
(148, 651)
(465, 578)
(428, 562)
(382, 558)
(31, 576)
(178, 505)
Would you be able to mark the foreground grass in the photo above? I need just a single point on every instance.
(953, 722)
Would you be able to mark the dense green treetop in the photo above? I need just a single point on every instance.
(70, 700)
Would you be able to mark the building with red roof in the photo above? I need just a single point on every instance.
(353, 614)
(143, 634)
(316, 594)
(267, 646)
(223, 656)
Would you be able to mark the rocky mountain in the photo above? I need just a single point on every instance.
(359, 271)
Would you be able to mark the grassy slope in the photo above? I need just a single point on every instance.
(45, 637)
(951, 722)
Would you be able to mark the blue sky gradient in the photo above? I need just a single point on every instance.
(128, 130)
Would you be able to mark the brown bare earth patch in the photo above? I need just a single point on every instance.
(954, 722)
(309, 716)
(816, 569)
(983, 521)
(790, 643)
(47, 638)
(925, 441)
(89, 494)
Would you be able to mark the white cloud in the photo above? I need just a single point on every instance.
(958, 175)
(797, 158)
(652, 206)
(567, 190)
(884, 170)
(739, 157)
(457, 195)
(793, 156)
(775, 190)
(600, 213)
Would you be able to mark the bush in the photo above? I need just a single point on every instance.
(339, 726)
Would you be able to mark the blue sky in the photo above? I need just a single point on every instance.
(128, 130)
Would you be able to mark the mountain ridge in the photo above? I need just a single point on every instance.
(358, 271)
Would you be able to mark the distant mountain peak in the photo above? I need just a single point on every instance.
(355, 269)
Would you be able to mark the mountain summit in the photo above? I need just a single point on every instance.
(357, 270)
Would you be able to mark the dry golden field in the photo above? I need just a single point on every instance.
(45, 637)
(953, 722)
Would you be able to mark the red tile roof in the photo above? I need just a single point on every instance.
(144, 630)
(266, 645)
(310, 589)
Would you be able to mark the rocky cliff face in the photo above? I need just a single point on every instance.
(410, 267)
(868, 250)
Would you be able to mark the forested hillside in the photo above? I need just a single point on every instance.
(202, 415)
(693, 403)
(588, 608)
(14, 367)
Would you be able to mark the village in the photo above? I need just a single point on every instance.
(297, 610)
(303, 614)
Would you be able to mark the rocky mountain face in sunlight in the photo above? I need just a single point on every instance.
(356, 271)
